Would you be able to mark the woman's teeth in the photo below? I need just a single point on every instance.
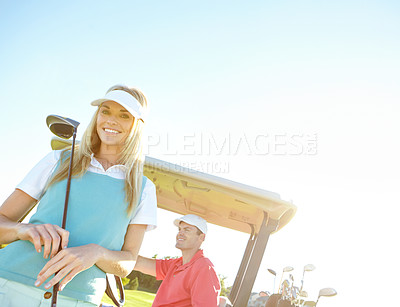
(111, 130)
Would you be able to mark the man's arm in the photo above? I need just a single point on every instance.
(146, 265)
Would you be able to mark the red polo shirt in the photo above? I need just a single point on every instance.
(192, 284)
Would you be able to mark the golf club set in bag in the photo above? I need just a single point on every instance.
(66, 128)
(290, 295)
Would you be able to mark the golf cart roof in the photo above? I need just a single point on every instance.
(220, 201)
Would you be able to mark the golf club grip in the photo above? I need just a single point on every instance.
(54, 296)
(55, 289)
(64, 220)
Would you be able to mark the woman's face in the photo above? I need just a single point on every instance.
(114, 123)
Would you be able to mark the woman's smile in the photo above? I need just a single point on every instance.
(112, 131)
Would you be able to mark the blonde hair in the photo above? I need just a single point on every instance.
(131, 155)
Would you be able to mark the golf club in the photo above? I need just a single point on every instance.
(326, 292)
(64, 128)
(112, 290)
(307, 268)
(323, 292)
(57, 143)
(285, 269)
(273, 273)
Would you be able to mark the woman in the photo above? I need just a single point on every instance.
(111, 205)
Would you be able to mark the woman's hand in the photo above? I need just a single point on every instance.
(68, 263)
(51, 237)
(71, 261)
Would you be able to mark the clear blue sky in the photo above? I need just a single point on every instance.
(257, 73)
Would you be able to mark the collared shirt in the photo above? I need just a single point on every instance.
(35, 181)
(192, 284)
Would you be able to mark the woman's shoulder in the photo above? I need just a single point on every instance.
(53, 156)
(35, 181)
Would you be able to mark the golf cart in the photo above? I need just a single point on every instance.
(221, 202)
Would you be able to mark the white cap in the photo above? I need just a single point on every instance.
(124, 99)
(193, 220)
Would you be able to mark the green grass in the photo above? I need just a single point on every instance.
(134, 298)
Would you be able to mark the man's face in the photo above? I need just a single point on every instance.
(188, 237)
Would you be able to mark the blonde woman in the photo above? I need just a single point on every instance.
(111, 206)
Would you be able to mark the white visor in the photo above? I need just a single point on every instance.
(124, 99)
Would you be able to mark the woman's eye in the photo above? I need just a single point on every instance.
(105, 111)
(124, 116)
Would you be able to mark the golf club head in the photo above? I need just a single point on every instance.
(309, 268)
(327, 292)
(62, 127)
(272, 271)
(288, 269)
(58, 143)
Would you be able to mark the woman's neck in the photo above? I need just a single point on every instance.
(108, 155)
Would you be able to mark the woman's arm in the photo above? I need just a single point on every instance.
(69, 262)
(13, 209)
(16, 206)
(133, 241)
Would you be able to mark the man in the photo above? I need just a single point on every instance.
(189, 280)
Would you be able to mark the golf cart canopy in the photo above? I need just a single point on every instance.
(218, 200)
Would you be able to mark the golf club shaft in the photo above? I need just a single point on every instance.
(64, 221)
